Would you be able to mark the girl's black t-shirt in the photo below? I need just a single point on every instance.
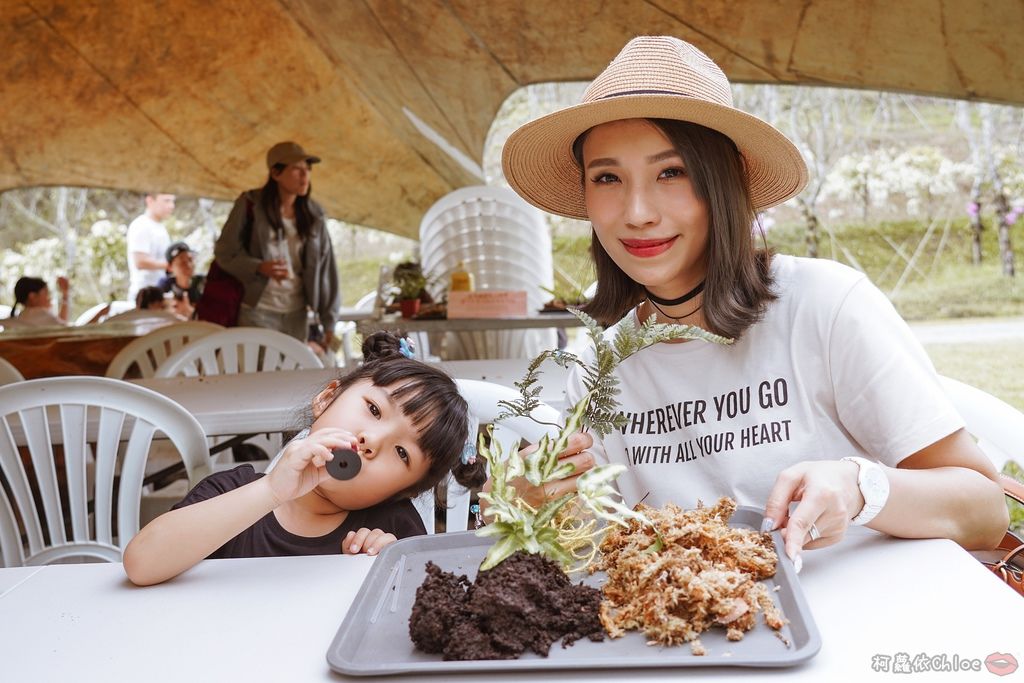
(267, 538)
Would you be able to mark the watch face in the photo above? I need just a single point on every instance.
(875, 486)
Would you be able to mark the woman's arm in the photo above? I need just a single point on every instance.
(948, 489)
(229, 251)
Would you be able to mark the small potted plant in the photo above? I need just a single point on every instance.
(408, 284)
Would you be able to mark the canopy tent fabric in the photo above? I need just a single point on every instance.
(397, 97)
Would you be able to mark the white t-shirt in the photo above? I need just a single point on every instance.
(33, 317)
(287, 295)
(832, 370)
(150, 237)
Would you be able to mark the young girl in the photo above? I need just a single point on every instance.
(825, 391)
(407, 422)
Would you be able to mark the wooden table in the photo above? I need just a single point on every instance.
(85, 350)
(873, 598)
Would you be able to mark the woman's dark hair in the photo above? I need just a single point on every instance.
(23, 287)
(147, 296)
(739, 284)
(270, 200)
(427, 396)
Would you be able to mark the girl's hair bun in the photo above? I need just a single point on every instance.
(380, 345)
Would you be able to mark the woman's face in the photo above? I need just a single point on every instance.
(39, 299)
(293, 179)
(391, 459)
(643, 207)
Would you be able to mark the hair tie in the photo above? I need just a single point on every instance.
(407, 347)
(468, 453)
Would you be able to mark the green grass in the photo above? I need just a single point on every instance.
(942, 282)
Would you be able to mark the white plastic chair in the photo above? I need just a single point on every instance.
(483, 398)
(148, 352)
(504, 242)
(239, 349)
(116, 307)
(9, 374)
(345, 330)
(997, 426)
(108, 421)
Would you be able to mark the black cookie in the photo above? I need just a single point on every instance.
(346, 464)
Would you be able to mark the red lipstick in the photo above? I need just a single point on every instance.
(648, 248)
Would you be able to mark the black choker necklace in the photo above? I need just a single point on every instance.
(675, 302)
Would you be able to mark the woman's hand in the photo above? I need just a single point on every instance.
(366, 541)
(301, 467)
(828, 497)
(275, 269)
(575, 452)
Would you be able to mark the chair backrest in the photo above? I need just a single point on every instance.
(9, 374)
(116, 307)
(50, 430)
(149, 351)
(239, 349)
(483, 398)
(998, 426)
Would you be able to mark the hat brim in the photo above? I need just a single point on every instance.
(538, 163)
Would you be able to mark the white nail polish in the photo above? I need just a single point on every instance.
(354, 548)
(798, 563)
(767, 525)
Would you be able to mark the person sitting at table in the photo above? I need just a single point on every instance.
(181, 279)
(33, 295)
(408, 426)
(825, 390)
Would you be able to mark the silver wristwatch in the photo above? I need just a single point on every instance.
(874, 486)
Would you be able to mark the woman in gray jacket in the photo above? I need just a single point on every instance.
(275, 242)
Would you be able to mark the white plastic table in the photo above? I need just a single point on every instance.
(273, 619)
(266, 402)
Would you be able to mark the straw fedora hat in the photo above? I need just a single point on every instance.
(652, 77)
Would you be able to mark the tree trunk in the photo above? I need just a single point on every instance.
(1005, 246)
(977, 227)
(812, 225)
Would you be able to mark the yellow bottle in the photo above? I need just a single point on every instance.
(461, 279)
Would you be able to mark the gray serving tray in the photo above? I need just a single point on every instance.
(374, 636)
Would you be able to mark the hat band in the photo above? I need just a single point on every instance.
(624, 93)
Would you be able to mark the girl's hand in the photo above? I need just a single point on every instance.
(301, 467)
(366, 541)
(828, 498)
(575, 452)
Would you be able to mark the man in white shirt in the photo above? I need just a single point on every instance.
(147, 242)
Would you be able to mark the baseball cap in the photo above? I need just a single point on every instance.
(288, 153)
(175, 249)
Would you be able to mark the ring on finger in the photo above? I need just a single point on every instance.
(814, 533)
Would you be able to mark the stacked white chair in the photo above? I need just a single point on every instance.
(504, 243)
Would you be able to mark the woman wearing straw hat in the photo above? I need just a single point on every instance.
(825, 398)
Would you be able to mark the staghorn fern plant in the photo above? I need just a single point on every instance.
(569, 535)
